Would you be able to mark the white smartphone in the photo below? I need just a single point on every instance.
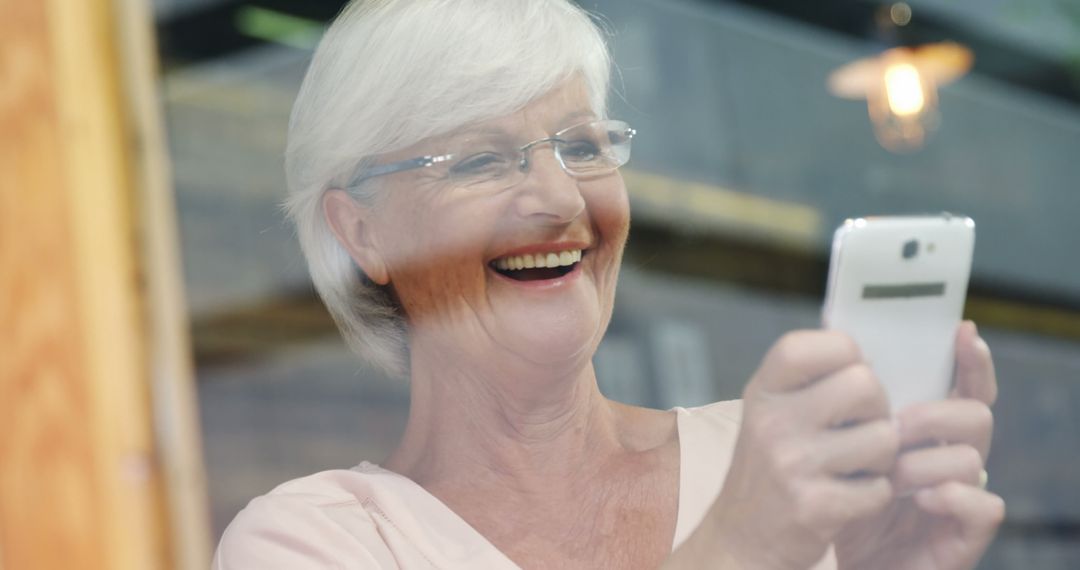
(897, 285)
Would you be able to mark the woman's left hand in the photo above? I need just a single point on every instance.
(942, 519)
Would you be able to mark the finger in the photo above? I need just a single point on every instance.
(933, 466)
(952, 421)
(801, 357)
(865, 449)
(975, 376)
(839, 501)
(978, 513)
(852, 395)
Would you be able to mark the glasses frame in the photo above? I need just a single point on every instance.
(431, 160)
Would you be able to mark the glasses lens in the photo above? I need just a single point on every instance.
(486, 167)
(584, 150)
(595, 148)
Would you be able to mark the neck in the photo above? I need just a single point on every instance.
(526, 427)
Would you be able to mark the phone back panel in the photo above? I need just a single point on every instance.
(897, 285)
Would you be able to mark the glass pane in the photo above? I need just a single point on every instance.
(743, 165)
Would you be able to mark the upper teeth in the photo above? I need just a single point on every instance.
(530, 260)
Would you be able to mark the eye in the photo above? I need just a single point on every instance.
(620, 137)
(580, 150)
(480, 164)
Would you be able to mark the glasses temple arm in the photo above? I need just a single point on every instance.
(391, 168)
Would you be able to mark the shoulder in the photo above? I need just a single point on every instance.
(707, 437)
(708, 434)
(710, 431)
(318, 521)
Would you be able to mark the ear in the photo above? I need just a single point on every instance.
(352, 226)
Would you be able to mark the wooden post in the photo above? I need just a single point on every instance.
(91, 323)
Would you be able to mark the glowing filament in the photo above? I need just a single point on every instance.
(904, 89)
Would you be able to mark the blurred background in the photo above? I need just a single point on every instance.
(746, 158)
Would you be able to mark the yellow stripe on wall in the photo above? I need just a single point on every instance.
(710, 208)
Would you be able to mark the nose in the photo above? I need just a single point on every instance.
(548, 192)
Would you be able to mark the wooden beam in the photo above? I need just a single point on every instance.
(82, 483)
(175, 405)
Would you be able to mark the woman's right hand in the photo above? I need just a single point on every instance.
(813, 453)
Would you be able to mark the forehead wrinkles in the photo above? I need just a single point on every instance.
(556, 110)
(552, 111)
(499, 130)
(540, 118)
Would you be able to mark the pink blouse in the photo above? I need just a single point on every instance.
(370, 518)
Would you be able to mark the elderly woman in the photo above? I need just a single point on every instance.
(454, 180)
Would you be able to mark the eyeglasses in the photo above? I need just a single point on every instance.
(585, 150)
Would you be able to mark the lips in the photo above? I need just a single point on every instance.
(538, 265)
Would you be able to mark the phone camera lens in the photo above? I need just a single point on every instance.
(910, 249)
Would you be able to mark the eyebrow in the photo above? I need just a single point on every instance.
(474, 132)
(582, 114)
(492, 131)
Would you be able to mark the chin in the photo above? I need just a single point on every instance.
(555, 342)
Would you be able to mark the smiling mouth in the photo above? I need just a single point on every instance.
(538, 266)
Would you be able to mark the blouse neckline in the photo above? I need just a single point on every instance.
(444, 515)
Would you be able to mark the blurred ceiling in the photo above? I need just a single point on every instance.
(1033, 44)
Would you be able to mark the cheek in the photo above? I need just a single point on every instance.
(416, 236)
(610, 212)
(435, 255)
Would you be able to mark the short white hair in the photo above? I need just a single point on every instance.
(391, 73)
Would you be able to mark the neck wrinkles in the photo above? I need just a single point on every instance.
(479, 426)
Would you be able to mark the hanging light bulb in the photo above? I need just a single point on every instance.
(904, 89)
(902, 103)
(900, 87)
